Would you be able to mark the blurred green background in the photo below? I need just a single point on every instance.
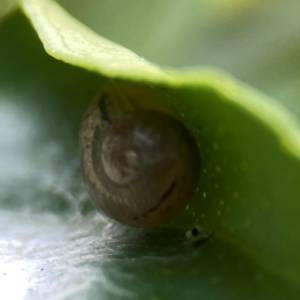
(53, 244)
(255, 41)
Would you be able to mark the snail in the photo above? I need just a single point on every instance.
(140, 164)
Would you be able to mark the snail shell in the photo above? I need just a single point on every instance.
(140, 163)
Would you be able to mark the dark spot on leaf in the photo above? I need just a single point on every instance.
(195, 231)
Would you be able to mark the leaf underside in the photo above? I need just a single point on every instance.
(248, 192)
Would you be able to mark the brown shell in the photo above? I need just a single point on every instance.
(140, 163)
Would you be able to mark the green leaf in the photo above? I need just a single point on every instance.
(7, 6)
(92, 51)
(248, 193)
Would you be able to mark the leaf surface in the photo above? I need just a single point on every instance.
(248, 193)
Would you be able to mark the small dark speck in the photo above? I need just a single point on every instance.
(4, 273)
(195, 232)
(42, 269)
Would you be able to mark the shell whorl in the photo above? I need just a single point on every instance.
(140, 163)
